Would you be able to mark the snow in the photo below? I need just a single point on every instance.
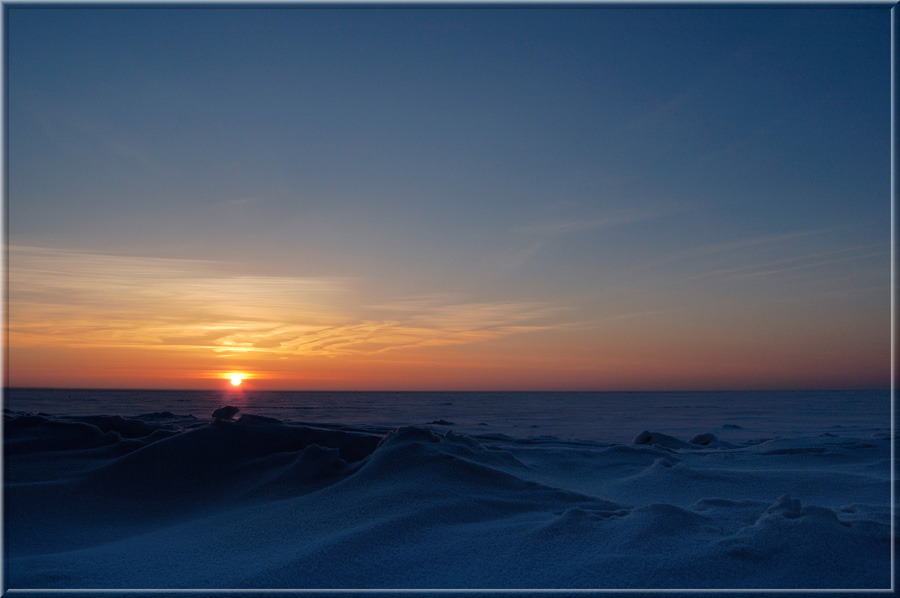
(166, 501)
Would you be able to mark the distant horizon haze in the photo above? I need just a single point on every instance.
(228, 389)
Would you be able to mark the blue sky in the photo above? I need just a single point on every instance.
(593, 184)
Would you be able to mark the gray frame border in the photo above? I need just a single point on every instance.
(4, 291)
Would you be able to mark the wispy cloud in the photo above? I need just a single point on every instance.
(72, 128)
(85, 299)
(711, 249)
(445, 311)
(529, 240)
(608, 219)
(801, 262)
(636, 314)
(662, 111)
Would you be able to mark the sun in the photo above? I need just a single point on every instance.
(235, 377)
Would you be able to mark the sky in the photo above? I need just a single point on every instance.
(434, 198)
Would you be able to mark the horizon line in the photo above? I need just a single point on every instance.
(805, 389)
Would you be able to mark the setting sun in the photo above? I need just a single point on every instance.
(235, 377)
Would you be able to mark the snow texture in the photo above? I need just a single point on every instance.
(165, 501)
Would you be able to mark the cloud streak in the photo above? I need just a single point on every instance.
(802, 262)
(555, 228)
(83, 299)
(714, 249)
(530, 240)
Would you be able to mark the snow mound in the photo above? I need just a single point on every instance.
(704, 439)
(659, 439)
(261, 503)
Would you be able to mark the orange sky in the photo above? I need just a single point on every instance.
(114, 323)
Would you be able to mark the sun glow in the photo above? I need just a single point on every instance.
(235, 377)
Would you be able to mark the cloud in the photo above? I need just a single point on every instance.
(76, 299)
(70, 129)
(555, 228)
(530, 240)
(662, 112)
(719, 248)
(448, 313)
(801, 262)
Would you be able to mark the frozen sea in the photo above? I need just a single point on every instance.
(673, 491)
(595, 416)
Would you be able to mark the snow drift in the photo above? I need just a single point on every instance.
(162, 501)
